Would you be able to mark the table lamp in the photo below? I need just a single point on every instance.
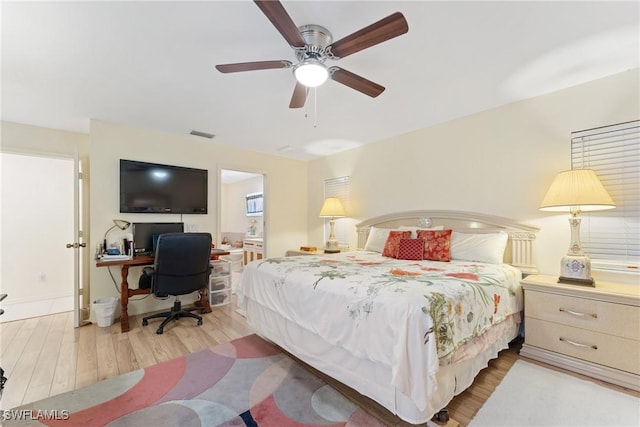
(576, 191)
(332, 208)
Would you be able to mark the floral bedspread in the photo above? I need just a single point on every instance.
(409, 315)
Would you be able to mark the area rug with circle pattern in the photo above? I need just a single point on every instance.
(245, 382)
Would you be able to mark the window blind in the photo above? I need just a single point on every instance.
(611, 238)
(338, 187)
(254, 204)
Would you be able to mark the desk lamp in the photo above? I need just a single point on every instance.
(332, 208)
(576, 191)
(121, 224)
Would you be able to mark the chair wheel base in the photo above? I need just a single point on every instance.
(176, 313)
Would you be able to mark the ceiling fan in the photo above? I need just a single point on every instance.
(313, 45)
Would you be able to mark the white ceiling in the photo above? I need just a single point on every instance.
(231, 176)
(151, 65)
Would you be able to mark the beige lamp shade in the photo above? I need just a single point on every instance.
(332, 207)
(578, 189)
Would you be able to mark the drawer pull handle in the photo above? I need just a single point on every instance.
(577, 344)
(577, 313)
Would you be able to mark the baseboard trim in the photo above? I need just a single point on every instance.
(600, 372)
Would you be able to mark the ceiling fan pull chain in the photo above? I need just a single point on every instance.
(315, 107)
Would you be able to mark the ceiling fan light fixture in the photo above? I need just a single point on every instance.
(311, 73)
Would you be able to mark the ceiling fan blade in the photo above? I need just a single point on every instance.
(299, 96)
(387, 28)
(356, 82)
(280, 19)
(252, 66)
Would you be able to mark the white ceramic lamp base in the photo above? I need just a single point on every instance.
(331, 246)
(575, 267)
(576, 270)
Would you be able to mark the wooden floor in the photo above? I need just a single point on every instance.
(46, 356)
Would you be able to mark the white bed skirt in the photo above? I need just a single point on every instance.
(373, 379)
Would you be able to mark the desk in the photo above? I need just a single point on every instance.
(126, 292)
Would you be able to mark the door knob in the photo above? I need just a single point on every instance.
(76, 245)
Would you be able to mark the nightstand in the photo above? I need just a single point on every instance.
(594, 331)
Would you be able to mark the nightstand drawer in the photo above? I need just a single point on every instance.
(608, 350)
(609, 318)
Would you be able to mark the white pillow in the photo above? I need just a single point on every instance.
(414, 234)
(377, 238)
(481, 247)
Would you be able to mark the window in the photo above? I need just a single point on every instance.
(338, 187)
(254, 204)
(611, 238)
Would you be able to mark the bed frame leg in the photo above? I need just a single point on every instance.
(441, 416)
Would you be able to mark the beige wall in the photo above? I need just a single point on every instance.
(497, 162)
(26, 139)
(284, 179)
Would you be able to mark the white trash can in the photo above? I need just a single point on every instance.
(104, 310)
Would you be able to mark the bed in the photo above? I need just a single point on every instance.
(408, 333)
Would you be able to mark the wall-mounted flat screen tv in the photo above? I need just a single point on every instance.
(155, 188)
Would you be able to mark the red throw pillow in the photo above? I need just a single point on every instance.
(437, 244)
(393, 243)
(411, 249)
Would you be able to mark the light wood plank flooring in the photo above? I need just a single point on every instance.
(46, 356)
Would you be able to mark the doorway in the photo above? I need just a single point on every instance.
(37, 222)
(242, 214)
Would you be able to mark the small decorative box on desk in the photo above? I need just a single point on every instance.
(594, 331)
(304, 250)
(220, 283)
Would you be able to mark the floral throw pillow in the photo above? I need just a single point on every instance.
(437, 244)
(411, 249)
(392, 244)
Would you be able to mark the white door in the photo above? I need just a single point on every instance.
(78, 245)
(37, 222)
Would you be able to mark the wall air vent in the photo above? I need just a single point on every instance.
(202, 134)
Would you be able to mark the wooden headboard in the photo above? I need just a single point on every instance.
(519, 251)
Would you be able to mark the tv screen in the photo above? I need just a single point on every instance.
(155, 188)
(145, 235)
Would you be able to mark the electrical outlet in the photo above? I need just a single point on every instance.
(42, 277)
(192, 228)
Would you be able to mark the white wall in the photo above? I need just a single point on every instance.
(497, 162)
(285, 178)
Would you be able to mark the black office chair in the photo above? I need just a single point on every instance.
(182, 266)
